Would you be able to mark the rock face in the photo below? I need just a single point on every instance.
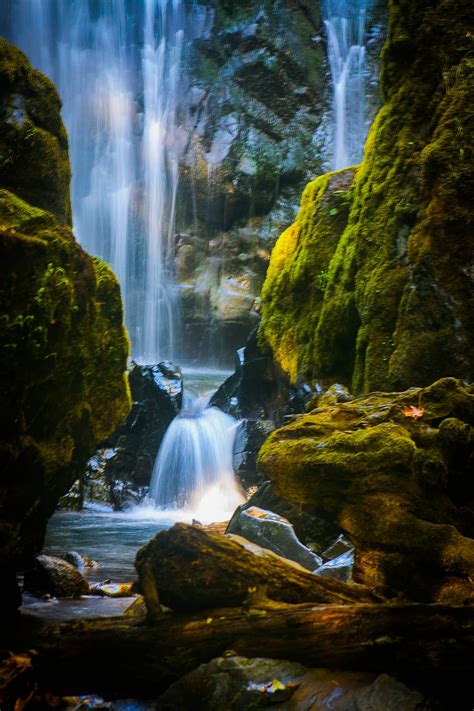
(120, 471)
(63, 347)
(56, 577)
(389, 304)
(259, 115)
(269, 530)
(394, 472)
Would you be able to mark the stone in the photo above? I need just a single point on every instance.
(314, 531)
(56, 577)
(383, 469)
(340, 546)
(341, 567)
(250, 436)
(233, 682)
(120, 471)
(80, 560)
(274, 532)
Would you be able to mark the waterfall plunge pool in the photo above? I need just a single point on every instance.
(112, 538)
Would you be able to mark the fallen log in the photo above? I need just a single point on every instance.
(193, 569)
(124, 657)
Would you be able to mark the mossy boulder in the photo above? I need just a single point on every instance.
(394, 472)
(63, 347)
(34, 161)
(297, 278)
(398, 304)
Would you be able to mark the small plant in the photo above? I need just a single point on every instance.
(322, 279)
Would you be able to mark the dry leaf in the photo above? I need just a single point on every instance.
(414, 412)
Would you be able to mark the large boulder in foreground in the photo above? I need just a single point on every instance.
(394, 472)
(383, 299)
(63, 346)
(233, 683)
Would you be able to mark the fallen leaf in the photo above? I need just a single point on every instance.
(414, 412)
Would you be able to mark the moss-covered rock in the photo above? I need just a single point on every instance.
(394, 472)
(63, 347)
(297, 278)
(399, 300)
(34, 162)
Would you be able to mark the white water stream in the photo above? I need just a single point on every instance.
(345, 27)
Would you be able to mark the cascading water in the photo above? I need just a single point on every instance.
(118, 66)
(345, 26)
(193, 469)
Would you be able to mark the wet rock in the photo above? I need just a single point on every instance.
(251, 434)
(233, 682)
(274, 532)
(340, 546)
(56, 577)
(258, 389)
(80, 560)
(337, 690)
(120, 471)
(341, 567)
(314, 531)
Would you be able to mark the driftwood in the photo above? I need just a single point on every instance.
(193, 569)
(124, 656)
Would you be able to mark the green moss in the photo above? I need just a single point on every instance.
(63, 346)
(396, 484)
(34, 162)
(398, 303)
(298, 273)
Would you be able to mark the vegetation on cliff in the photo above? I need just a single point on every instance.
(398, 302)
(63, 347)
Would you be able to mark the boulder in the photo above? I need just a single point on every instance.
(80, 560)
(250, 436)
(274, 532)
(233, 682)
(237, 683)
(313, 530)
(63, 346)
(258, 388)
(56, 577)
(341, 567)
(120, 471)
(372, 285)
(394, 472)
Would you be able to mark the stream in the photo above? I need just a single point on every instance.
(111, 538)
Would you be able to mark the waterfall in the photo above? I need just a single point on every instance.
(118, 68)
(193, 469)
(345, 27)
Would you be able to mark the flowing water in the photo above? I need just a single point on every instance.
(118, 66)
(345, 27)
(199, 445)
(193, 470)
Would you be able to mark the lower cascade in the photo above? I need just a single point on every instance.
(193, 469)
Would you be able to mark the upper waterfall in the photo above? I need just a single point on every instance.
(345, 27)
(118, 67)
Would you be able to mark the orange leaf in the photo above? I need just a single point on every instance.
(414, 412)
